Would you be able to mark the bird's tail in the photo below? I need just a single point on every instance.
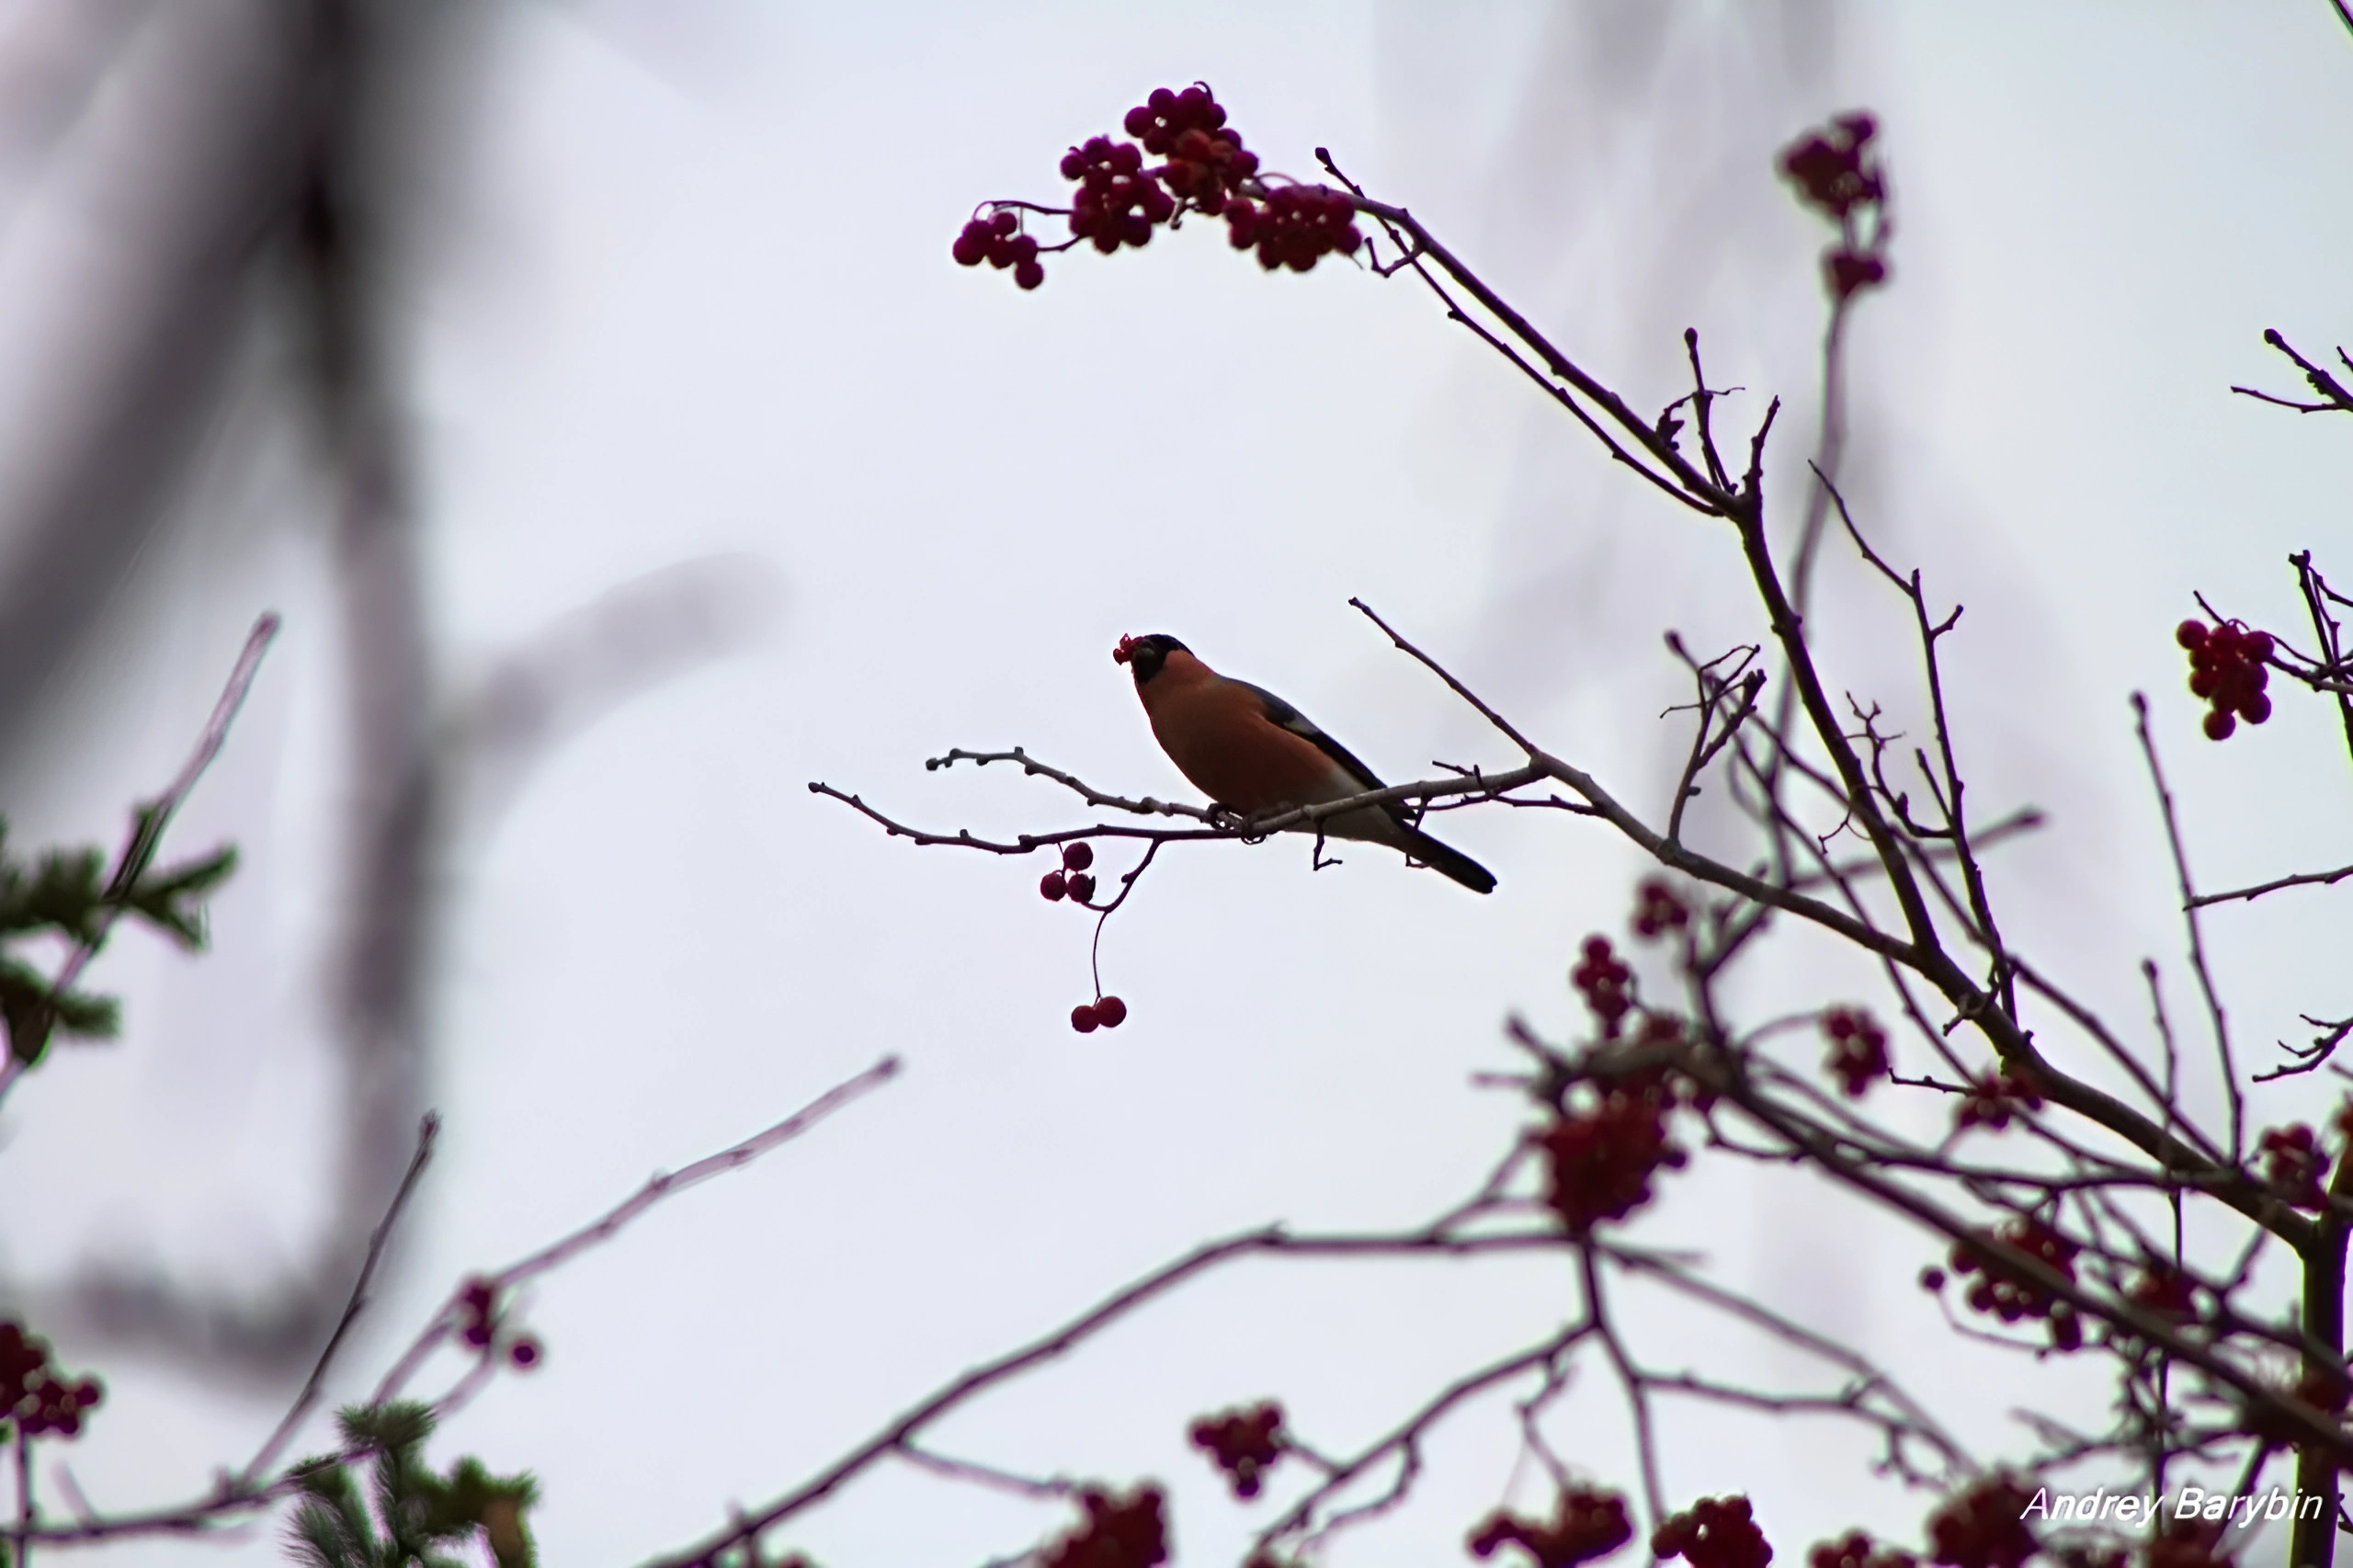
(1447, 860)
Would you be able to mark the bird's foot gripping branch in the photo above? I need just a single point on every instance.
(2052, 1184)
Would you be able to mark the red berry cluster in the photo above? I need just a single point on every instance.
(1858, 1551)
(1116, 202)
(1122, 198)
(1858, 1049)
(1118, 1533)
(1984, 1527)
(1714, 1532)
(1657, 911)
(2009, 1295)
(1607, 983)
(2189, 1543)
(992, 239)
(1103, 1013)
(2295, 1164)
(1837, 174)
(1295, 226)
(1071, 882)
(1206, 160)
(1995, 1097)
(35, 1395)
(1598, 1163)
(478, 1312)
(1243, 1443)
(2226, 669)
(2164, 1291)
(1584, 1526)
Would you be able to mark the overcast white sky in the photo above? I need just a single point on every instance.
(690, 294)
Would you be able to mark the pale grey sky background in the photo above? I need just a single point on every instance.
(684, 291)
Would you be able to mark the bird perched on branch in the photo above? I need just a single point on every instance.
(1254, 753)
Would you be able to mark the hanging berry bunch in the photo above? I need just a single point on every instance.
(2002, 1292)
(1837, 174)
(36, 1397)
(1586, 1525)
(1858, 1049)
(2294, 1165)
(1075, 882)
(1984, 1526)
(1605, 981)
(1859, 1550)
(1123, 196)
(1243, 1443)
(1714, 1532)
(2226, 669)
(1993, 1097)
(1117, 1532)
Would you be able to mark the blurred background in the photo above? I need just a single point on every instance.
(590, 388)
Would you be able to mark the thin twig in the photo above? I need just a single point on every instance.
(152, 817)
(426, 1132)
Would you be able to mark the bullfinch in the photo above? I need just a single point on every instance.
(1254, 753)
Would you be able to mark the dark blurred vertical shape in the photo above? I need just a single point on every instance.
(1630, 193)
(280, 153)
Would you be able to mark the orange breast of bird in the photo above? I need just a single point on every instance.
(1217, 733)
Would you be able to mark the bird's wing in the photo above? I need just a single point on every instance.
(1283, 715)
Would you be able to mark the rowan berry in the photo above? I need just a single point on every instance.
(2164, 1291)
(1984, 1526)
(1832, 168)
(1606, 983)
(1052, 886)
(1295, 226)
(1081, 887)
(1118, 202)
(1598, 1163)
(1084, 1018)
(2227, 670)
(1993, 1098)
(41, 1399)
(1117, 1532)
(1077, 857)
(523, 1353)
(1657, 911)
(1858, 1551)
(1586, 1525)
(1858, 1049)
(1714, 1532)
(477, 1311)
(2007, 1291)
(2294, 1165)
(1243, 1443)
(1110, 1012)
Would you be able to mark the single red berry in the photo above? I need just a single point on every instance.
(2191, 634)
(1077, 857)
(523, 1353)
(972, 246)
(1051, 886)
(2255, 708)
(1110, 1012)
(2258, 646)
(1028, 274)
(1932, 1279)
(1084, 1018)
(2220, 723)
(1004, 223)
(1081, 887)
